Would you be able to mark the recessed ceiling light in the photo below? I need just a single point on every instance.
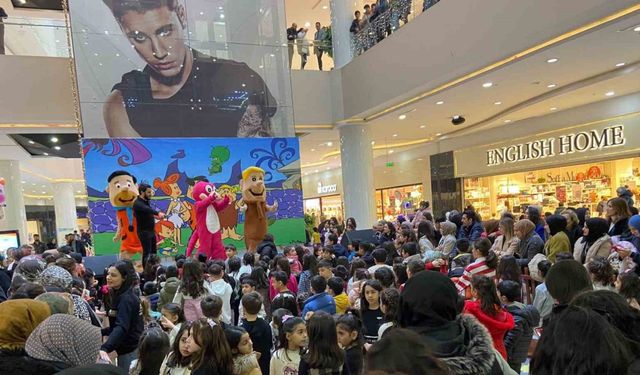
(497, 103)
(373, 143)
(507, 121)
(329, 144)
(610, 93)
(402, 117)
(620, 64)
(45, 153)
(202, 13)
(637, 28)
(44, 192)
(439, 102)
(328, 168)
(395, 135)
(44, 186)
(486, 85)
(553, 108)
(316, 171)
(552, 60)
(552, 85)
(24, 182)
(391, 151)
(57, 148)
(307, 24)
(325, 7)
(313, 150)
(32, 143)
(438, 134)
(78, 191)
(423, 126)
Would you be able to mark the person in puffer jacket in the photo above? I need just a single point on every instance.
(169, 287)
(526, 318)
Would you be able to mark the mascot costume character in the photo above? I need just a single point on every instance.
(207, 222)
(123, 192)
(254, 199)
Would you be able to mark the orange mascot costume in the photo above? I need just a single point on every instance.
(254, 203)
(123, 192)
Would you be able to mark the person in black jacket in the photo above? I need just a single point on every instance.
(267, 248)
(618, 214)
(526, 317)
(125, 317)
(145, 215)
(292, 35)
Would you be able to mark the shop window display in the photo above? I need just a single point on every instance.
(575, 186)
(403, 200)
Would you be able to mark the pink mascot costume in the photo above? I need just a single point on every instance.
(207, 223)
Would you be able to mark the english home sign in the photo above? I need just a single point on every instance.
(566, 144)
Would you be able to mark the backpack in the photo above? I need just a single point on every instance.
(190, 306)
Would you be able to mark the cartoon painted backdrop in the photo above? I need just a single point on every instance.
(172, 166)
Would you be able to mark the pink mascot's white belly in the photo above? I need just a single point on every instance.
(213, 223)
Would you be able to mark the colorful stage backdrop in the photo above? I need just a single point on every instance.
(173, 165)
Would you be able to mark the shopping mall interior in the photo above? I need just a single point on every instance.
(494, 106)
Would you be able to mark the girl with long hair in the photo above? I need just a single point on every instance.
(486, 307)
(618, 214)
(507, 242)
(485, 264)
(389, 302)
(210, 351)
(370, 310)
(172, 320)
(293, 339)
(426, 236)
(178, 360)
(244, 358)
(508, 269)
(154, 346)
(191, 290)
(323, 356)
(177, 211)
(350, 338)
(628, 285)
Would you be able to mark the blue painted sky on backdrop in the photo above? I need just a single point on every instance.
(196, 159)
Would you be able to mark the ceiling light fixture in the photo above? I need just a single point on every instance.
(395, 135)
(507, 121)
(402, 117)
(32, 143)
(329, 144)
(423, 126)
(316, 171)
(637, 28)
(325, 7)
(610, 93)
(486, 85)
(391, 151)
(552, 85)
(313, 150)
(620, 64)
(553, 108)
(497, 103)
(45, 153)
(439, 102)
(552, 60)
(57, 148)
(438, 134)
(373, 143)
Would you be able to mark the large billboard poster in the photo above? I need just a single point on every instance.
(182, 68)
(172, 166)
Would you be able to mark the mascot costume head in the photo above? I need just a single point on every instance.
(254, 197)
(123, 192)
(207, 231)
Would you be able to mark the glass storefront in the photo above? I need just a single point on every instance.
(325, 208)
(402, 200)
(580, 185)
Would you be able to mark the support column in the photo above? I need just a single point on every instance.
(356, 154)
(12, 212)
(64, 204)
(341, 17)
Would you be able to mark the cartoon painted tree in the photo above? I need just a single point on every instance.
(219, 155)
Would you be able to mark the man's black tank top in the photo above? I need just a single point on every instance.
(210, 104)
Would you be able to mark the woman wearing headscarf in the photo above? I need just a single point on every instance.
(64, 341)
(18, 319)
(558, 240)
(583, 214)
(594, 242)
(429, 306)
(530, 242)
(30, 269)
(57, 279)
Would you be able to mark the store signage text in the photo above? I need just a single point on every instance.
(612, 136)
(324, 189)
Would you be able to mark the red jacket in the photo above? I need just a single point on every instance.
(497, 325)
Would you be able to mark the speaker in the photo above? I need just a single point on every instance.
(99, 263)
(364, 235)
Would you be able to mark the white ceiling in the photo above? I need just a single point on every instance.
(308, 11)
(586, 70)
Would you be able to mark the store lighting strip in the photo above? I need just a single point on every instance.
(503, 62)
(311, 165)
(385, 147)
(50, 196)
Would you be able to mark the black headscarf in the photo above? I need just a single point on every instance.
(429, 299)
(598, 227)
(557, 224)
(582, 214)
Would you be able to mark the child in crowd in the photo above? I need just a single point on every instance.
(309, 269)
(210, 351)
(370, 310)
(293, 339)
(485, 306)
(526, 317)
(232, 252)
(508, 269)
(248, 260)
(169, 287)
(628, 285)
(601, 273)
(543, 302)
(352, 250)
(248, 286)
(323, 356)
(360, 276)
(154, 346)
(234, 273)
(245, 361)
(179, 359)
(284, 298)
(316, 236)
(294, 263)
(172, 320)
(386, 277)
(191, 290)
(325, 269)
(389, 303)
(349, 330)
(320, 300)
(460, 258)
(335, 288)
(484, 265)
(212, 309)
(219, 287)
(276, 325)
(258, 329)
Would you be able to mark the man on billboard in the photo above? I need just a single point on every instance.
(181, 91)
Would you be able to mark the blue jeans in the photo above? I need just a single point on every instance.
(124, 360)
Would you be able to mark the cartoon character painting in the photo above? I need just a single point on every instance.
(123, 191)
(254, 203)
(208, 232)
(167, 246)
(177, 210)
(229, 216)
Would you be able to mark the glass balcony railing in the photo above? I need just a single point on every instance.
(33, 37)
